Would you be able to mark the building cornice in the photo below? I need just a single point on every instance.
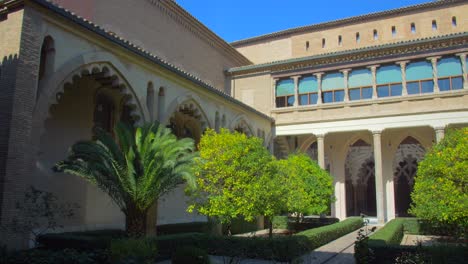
(134, 49)
(184, 18)
(404, 48)
(346, 21)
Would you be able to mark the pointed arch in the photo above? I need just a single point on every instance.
(150, 100)
(240, 124)
(188, 102)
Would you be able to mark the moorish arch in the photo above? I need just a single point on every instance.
(360, 179)
(92, 95)
(241, 125)
(405, 164)
(310, 147)
(188, 120)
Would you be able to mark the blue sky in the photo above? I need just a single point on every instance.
(239, 19)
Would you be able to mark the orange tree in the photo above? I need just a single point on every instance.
(440, 192)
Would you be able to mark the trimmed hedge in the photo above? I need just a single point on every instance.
(391, 234)
(322, 235)
(88, 240)
(384, 245)
(280, 248)
(193, 227)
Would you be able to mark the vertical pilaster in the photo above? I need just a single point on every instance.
(403, 64)
(319, 82)
(273, 94)
(440, 133)
(345, 78)
(321, 150)
(296, 90)
(435, 78)
(373, 69)
(464, 70)
(379, 184)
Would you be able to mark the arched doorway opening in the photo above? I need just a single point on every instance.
(91, 98)
(405, 165)
(360, 180)
(188, 121)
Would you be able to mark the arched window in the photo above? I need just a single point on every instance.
(394, 31)
(340, 41)
(434, 25)
(46, 64)
(104, 112)
(150, 100)
(323, 43)
(454, 21)
(376, 34)
(160, 103)
(307, 45)
(358, 37)
(413, 28)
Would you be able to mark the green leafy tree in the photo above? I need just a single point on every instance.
(229, 165)
(310, 187)
(134, 169)
(441, 185)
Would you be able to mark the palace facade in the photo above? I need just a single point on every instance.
(365, 96)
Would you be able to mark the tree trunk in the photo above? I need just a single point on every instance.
(152, 220)
(270, 223)
(135, 222)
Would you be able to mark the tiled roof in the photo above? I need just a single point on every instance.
(340, 22)
(141, 52)
(346, 52)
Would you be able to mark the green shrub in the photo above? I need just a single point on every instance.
(320, 236)
(191, 255)
(240, 226)
(193, 227)
(98, 239)
(280, 222)
(440, 195)
(309, 223)
(390, 234)
(139, 250)
(69, 256)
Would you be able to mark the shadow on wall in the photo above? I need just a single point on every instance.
(7, 80)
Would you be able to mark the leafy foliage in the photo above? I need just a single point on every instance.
(137, 250)
(441, 186)
(310, 188)
(134, 169)
(230, 165)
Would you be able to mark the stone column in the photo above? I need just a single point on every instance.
(440, 133)
(373, 69)
(345, 77)
(464, 70)
(321, 150)
(296, 90)
(435, 78)
(319, 83)
(273, 83)
(379, 184)
(402, 64)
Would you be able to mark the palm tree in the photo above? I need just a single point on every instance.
(136, 169)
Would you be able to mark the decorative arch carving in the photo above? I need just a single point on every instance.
(241, 125)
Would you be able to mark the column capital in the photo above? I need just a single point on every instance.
(441, 127)
(376, 131)
(296, 77)
(373, 67)
(462, 54)
(345, 71)
(434, 58)
(318, 74)
(321, 135)
(402, 63)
